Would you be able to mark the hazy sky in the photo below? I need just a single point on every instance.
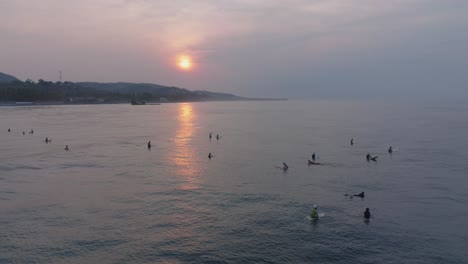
(293, 48)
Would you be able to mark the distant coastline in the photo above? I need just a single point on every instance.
(14, 92)
(42, 103)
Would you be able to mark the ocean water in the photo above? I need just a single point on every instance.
(110, 200)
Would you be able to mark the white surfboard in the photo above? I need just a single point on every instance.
(310, 218)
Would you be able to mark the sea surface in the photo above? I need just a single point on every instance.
(111, 200)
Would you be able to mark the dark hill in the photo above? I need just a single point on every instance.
(158, 91)
(5, 78)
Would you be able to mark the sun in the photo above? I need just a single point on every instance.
(185, 63)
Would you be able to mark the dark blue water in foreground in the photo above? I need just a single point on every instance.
(110, 200)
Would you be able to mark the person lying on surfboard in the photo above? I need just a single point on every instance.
(369, 157)
(360, 195)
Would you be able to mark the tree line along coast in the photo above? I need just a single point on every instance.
(13, 90)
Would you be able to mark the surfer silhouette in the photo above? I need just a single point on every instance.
(367, 214)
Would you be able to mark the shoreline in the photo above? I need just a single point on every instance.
(7, 104)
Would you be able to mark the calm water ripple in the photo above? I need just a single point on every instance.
(110, 200)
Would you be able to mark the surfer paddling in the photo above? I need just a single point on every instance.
(369, 157)
(361, 195)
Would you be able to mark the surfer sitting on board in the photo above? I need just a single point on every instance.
(313, 162)
(285, 166)
(367, 214)
(314, 213)
(210, 156)
(313, 156)
(390, 150)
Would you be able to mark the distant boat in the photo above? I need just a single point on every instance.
(134, 102)
(24, 103)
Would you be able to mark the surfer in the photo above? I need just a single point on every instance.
(352, 141)
(9, 130)
(46, 140)
(369, 157)
(210, 156)
(210, 135)
(23, 132)
(217, 136)
(313, 162)
(314, 213)
(390, 150)
(285, 166)
(360, 195)
(367, 214)
(66, 148)
(31, 132)
(313, 156)
(149, 145)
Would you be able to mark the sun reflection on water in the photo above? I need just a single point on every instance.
(184, 158)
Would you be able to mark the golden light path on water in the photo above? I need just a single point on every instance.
(184, 158)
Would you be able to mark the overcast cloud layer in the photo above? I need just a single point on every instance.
(291, 48)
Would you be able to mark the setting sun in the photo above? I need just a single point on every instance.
(185, 63)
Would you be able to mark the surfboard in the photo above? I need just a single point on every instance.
(310, 218)
(313, 162)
